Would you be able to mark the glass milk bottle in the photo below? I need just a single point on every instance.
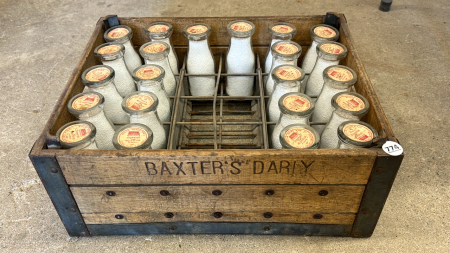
(279, 32)
(89, 107)
(319, 33)
(356, 134)
(347, 106)
(287, 79)
(111, 54)
(200, 60)
(133, 136)
(299, 136)
(156, 53)
(328, 54)
(284, 53)
(100, 78)
(141, 106)
(240, 58)
(296, 108)
(162, 31)
(77, 135)
(337, 79)
(122, 34)
(150, 78)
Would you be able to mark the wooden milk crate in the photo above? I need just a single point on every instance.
(216, 176)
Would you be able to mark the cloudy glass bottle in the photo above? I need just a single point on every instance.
(347, 106)
(111, 54)
(329, 54)
(122, 34)
(200, 60)
(162, 31)
(240, 58)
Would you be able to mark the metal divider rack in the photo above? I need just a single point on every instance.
(241, 123)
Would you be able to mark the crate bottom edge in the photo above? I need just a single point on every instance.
(220, 228)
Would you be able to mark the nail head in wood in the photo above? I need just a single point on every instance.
(217, 192)
(164, 193)
(268, 215)
(317, 216)
(270, 192)
(323, 193)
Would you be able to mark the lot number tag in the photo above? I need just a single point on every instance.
(392, 148)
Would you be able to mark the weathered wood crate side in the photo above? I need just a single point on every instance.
(353, 177)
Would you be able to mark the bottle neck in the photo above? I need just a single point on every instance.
(329, 88)
(286, 119)
(105, 86)
(344, 145)
(150, 85)
(280, 60)
(113, 60)
(95, 111)
(199, 45)
(289, 86)
(321, 60)
(161, 61)
(241, 42)
(341, 115)
(149, 116)
(279, 37)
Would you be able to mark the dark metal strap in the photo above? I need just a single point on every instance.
(377, 190)
(60, 194)
(221, 228)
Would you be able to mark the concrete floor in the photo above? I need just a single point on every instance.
(406, 54)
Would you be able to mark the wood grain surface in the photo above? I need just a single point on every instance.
(233, 198)
(224, 167)
(148, 217)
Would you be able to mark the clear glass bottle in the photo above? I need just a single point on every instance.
(318, 33)
(133, 136)
(122, 34)
(240, 58)
(100, 78)
(279, 32)
(347, 106)
(141, 106)
(77, 135)
(337, 79)
(156, 53)
(111, 54)
(356, 134)
(287, 79)
(296, 108)
(329, 53)
(150, 78)
(89, 107)
(162, 31)
(299, 136)
(284, 53)
(200, 60)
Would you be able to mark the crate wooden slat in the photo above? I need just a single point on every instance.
(241, 217)
(357, 182)
(228, 167)
(252, 198)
